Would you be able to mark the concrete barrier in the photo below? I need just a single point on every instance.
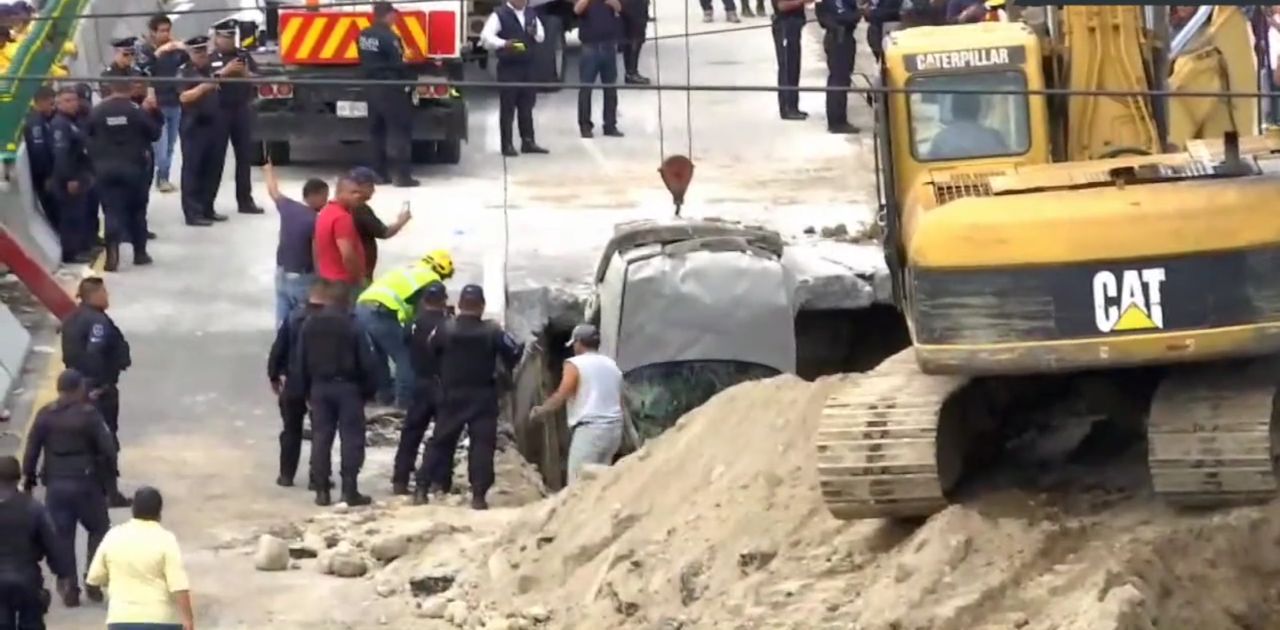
(15, 344)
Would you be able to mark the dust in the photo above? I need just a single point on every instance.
(718, 524)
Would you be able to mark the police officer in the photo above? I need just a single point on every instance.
(431, 313)
(287, 387)
(236, 100)
(38, 138)
(511, 32)
(883, 17)
(128, 62)
(390, 106)
(78, 457)
(71, 179)
(467, 350)
(386, 308)
(839, 18)
(334, 365)
(95, 347)
(788, 24)
(204, 144)
(120, 136)
(93, 228)
(27, 536)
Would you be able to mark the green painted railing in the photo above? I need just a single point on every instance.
(35, 57)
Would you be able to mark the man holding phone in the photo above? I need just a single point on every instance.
(235, 99)
(370, 227)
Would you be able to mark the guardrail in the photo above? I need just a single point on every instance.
(36, 55)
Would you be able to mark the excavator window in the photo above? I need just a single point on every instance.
(968, 124)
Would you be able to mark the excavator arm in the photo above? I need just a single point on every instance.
(1218, 57)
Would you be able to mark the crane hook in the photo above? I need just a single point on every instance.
(677, 172)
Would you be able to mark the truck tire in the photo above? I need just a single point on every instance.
(422, 152)
(448, 151)
(279, 152)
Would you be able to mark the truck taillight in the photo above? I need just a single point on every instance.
(435, 90)
(442, 33)
(277, 90)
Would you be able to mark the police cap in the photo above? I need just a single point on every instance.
(199, 43)
(382, 9)
(436, 290)
(472, 292)
(70, 381)
(125, 44)
(227, 28)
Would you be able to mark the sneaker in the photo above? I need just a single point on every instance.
(284, 482)
(707, 17)
(165, 187)
(732, 16)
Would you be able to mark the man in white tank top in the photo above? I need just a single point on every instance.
(592, 387)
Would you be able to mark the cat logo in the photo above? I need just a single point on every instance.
(1131, 302)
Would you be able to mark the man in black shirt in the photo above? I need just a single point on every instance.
(334, 364)
(204, 142)
(600, 28)
(161, 56)
(236, 100)
(37, 135)
(788, 25)
(430, 315)
(370, 227)
(72, 179)
(288, 386)
(390, 106)
(27, 536)
(466, 351)
(839, 20)
(78, 458)
(120, 136)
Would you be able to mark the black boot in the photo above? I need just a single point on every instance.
(421, 495)
(140, 257)
(478, 502)
(284, 481)
(400, 488)
(351, 496)
(322, 497)
(113, 258)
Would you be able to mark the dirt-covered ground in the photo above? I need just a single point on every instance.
(718, 524)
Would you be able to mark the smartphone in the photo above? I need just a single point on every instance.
(404, 207)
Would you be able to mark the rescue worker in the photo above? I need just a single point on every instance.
(292, 399)
(28, 537)
(71, 180)
(236, 100)
(467, 350)
(839, 18)
(95, 347)
(78, 456)
(335, 368)
(386, 308)
(390, 106)
(788, 24)
(38, 138)
(432, 312)
(120, 136)
(965, 136)
(204, 145)
(511, 32)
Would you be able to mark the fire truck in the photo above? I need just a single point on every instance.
(319, 42)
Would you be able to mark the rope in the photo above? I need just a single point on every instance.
(688, 79)
(657, 80)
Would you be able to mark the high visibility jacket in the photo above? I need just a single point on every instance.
(395, 289)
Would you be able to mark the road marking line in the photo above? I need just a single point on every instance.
(47, 385)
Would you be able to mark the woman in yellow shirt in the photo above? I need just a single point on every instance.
(140, 565)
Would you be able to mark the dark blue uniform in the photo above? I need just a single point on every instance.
(839, 19)
(235, 101)
(76, 226)
(37, 133)
(390, 106)
(95, 347)
(139, 96)
(425, 397)
(27, 536)
(293, 396)
(787, 28)
(516, 66)
(882, 12)
(467, 351)
(120, 135)
(78, 463)
(93, 206)
(204, 149)
(335, 367)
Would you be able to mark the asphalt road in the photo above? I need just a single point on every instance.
(198, 419)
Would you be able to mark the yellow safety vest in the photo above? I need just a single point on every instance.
(394, 288)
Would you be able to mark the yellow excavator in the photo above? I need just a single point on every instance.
(1088, 257)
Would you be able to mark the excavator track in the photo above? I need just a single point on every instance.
(878, 443)
(1210, 437)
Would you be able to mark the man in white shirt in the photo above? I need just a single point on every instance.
(592, 386)
(511, 32)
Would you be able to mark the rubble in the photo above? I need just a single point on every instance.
(272, 554)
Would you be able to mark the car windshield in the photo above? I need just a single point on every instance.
(968, 126)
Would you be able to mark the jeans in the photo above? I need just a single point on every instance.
(168, 139)
(292, 290)
(598, 60)
(593, 444)
(388, 340)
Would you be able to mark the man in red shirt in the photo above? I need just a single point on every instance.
(339, 253)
